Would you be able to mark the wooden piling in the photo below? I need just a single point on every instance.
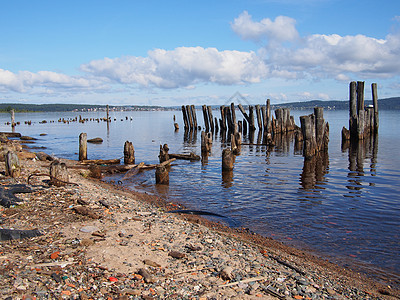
(227, 160)
(108, 113)
(233, 117)
(82, 146)
(193, 114)
(163, 156)
(259, 118)
(205, 116)
(374, 90)
(185, 117)
(189, 115)
(59, 175)
(129, 153)
(12, 164)
(206, 142)
(252, 127)
(12, 118)
(162, 175)
(223, 118)
(210, 118)
(229, 120)
(216, 124)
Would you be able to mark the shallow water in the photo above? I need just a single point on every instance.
(345, 206)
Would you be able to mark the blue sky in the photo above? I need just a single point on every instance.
(196, 52)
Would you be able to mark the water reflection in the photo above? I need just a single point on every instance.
(358, 152)
(314, 171)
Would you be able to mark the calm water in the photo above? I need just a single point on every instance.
(345, 207)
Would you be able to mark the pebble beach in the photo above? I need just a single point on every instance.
(99, 241)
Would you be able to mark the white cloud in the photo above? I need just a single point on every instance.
(281, 29)
(181, 67)
(319, 55)
(24, 81)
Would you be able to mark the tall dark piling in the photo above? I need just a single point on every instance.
(205, 116)
(193, 114)
(210, 118)
(185, 117)
(227, 160)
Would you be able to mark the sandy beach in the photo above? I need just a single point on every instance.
(99, 241)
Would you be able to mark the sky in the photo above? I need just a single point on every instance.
(170, 53)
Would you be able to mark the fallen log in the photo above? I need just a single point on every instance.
(100, 161)
(132, 172)
(190, 156)
(95, 140)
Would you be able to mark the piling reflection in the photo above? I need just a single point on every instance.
(359, 151)
(314, 170)
(227, 178)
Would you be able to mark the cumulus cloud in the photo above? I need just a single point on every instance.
(319, 55)
(281, 29)
(24, 81)
(181, 67)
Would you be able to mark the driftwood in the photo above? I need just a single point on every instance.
(95, 140)
(7, 194)
(11, 134)
(100, 161)
(52, 177)
(132, 172)
(16, 234)
(190, 156)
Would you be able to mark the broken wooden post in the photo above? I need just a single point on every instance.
(244, 127)
(162, 175)
(228, 117)
(58, 173)
(227, 160)
(185, 117)
(236, 143)
(268, 128)
(216, 124)
(205, 116)
(82, 146)
(108, 113)
(206, 142)
(164, 156)
(13, 168)
(223, 118)
(252, 127)
(129, 153)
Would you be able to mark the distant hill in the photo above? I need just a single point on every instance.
(383, 104)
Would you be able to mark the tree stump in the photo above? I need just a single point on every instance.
(162, 175)
(129, 153)
(82, 146)
(13, 167)
(58, 173)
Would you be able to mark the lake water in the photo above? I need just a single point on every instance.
(345, 207)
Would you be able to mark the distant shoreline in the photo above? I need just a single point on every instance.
(383, 104)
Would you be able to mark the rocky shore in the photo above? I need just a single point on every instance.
(98, 241)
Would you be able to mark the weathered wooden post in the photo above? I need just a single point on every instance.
(216, 124)
(236, 143)
(58, 173)
(194, 118)
(162, 175)
(129, 153)
(234, 120)
(185, 118)
(12, 118)
(205, 116)
(227, 160)
(228, 117)
(210, 118)
(374, 89)
(163, 156)
(307, 127)
(259, 118)
(206, 142)
(12, 165)
(82, 146)
(189, 114)
(108, 113)
(223, 118)
(252, 127)
(244, 127)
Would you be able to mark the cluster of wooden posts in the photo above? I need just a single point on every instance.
(363, 121)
